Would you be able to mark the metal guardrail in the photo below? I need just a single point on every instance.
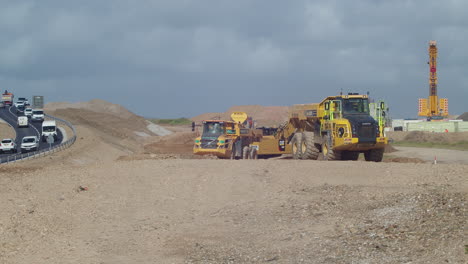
(46, 151)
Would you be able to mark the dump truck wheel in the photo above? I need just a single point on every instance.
(329, 153)
(350, 155)
(374, 155)
(246, 152)
(296, 143)
(310, 151)
(253, 154)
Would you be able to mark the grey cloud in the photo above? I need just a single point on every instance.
(182, 58)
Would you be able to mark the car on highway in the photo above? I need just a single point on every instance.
(37, 115)
(20, 110)
(23, 121)
(18, 103)
(24, 100)
(28, 112)
(29, 143)
(8, 145)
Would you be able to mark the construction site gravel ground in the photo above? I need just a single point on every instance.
(103, 202)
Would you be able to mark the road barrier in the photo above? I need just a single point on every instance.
(43, 152)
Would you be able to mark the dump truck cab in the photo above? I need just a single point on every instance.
(346, 119)
(225, 139)
(215, 138)
(340, 127)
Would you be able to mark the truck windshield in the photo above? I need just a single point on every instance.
(48, 129)
(356, 106)
(38, 112)
(213, 129)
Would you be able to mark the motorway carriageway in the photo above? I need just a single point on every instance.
(8, 114)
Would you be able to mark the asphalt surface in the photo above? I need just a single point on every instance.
(34, 129)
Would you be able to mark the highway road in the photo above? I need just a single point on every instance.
(34, 129)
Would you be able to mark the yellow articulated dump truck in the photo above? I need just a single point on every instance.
(228, 139)
(274, 141)
(340, 127)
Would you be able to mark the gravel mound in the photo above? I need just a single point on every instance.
(263, 115)
(421, 136)
(463, 116)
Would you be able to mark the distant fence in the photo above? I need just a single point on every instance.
(46, 151)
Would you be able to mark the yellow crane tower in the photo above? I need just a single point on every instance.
(433, 108)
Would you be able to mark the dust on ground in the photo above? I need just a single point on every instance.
(222, 211)
(103, 201)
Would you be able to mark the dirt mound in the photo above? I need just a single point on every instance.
(124, 133)
(263, 115)
(95, 105)
(420, 136)
(178, 143)
(463, 116)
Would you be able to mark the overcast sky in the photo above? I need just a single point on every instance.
(184, 57)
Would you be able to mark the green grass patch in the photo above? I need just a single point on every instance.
(460, 145)
(176, 121)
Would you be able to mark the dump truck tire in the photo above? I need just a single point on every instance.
(329, 153)
(350, 155)
(296, 143)
(253, 154)
(374, 155)
(310, 151)
(245, 152)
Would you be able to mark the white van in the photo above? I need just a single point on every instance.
(49, 127)
(23, 121)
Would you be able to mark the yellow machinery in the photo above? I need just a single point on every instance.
(274, 141)
(227, 139)
(433, 108)
(340, 127)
